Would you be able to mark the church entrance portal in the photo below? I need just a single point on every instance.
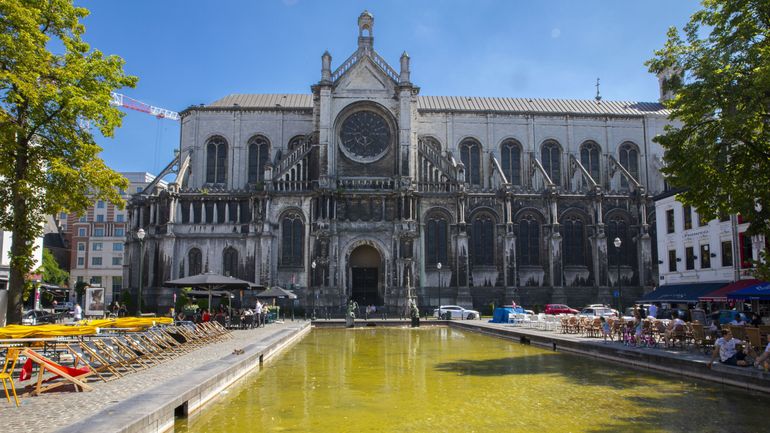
(365, 265)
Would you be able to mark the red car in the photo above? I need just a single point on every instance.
(559, 309)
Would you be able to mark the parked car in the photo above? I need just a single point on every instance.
(64, 307)
(37, 317)
(597, 311)
(559, 309)
(456, 312)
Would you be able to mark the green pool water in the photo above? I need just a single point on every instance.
(437, 379)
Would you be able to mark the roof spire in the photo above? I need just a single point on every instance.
(598, 96)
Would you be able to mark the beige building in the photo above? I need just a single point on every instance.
(360, 188)
(97, 240)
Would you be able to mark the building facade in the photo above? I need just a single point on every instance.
(694, 250)
(97, 240)
(361, 189)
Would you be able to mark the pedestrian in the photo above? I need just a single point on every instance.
(258, 313)
(205, 317)
(653, 310)
(77, 313)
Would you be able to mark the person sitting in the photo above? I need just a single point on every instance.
(739, 320)
(180, 316)
(725, 348)
(605, 328)
(673, 325)
(763, 360)
(756, 320)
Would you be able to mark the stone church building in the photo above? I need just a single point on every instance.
(361, 188)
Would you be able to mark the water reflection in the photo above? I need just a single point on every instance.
(439, 379)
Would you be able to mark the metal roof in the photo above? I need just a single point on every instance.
(539, 106)
(265, 101)
(466, 104)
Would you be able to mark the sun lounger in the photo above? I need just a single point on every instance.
(67, 375)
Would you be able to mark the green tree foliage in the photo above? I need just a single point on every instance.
(719, 147)
(53, 87)
(51, 271)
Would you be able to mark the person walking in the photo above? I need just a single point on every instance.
(258, 313)
(78, 313)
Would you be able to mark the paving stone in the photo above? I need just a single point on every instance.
(55, 410)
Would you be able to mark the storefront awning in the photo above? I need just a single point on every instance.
(686, 292)
(760, 291)
(720, 295)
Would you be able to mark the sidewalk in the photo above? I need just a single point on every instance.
(685, 363)
(50, 412)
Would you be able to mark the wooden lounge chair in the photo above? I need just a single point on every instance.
(69, 375)
(11, 356)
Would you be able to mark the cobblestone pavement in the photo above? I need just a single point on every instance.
(54, 410)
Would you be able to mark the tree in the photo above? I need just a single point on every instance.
(53, 87)
(719, 146)
(51, 271)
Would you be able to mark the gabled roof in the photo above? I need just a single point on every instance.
(539, 106)
(276, 100)
(463, 104)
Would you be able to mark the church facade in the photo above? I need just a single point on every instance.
(364, 189)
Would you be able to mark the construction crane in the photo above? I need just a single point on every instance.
(124, 101)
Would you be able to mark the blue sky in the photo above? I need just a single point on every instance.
(194, 51)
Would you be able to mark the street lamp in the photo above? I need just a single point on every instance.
(140, 235)
(438, 267)
(617, 242)
(312, 293)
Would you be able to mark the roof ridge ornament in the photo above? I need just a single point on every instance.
(365, 31)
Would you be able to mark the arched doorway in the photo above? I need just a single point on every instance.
(365, 263)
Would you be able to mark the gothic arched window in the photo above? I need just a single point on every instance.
(292, 240)
(216, 160)
(296, 142)
(470, 155)
(574, 241)
(194, 262)
(617, 227)
(510, 153)
(259, 152)
(483, 240)
(629, 159)
(589, 157)
(528, 241)
(432, 143)
(436, 235)
(230, 262)
(551, 159)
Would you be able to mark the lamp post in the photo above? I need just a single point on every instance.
(312, 292)
(617, 242)
(140, 235)
(438, 267)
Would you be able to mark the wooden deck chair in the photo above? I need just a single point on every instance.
(11, 356)
(157, 349)
(113, 354)
(126, 350)
(108, 362)
(79, 349)
(163, 334)
(192, 338)
(68, 375)
(141, 349)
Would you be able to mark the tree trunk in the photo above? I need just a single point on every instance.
(20, 250)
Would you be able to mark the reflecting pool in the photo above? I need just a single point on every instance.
(437, 379)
